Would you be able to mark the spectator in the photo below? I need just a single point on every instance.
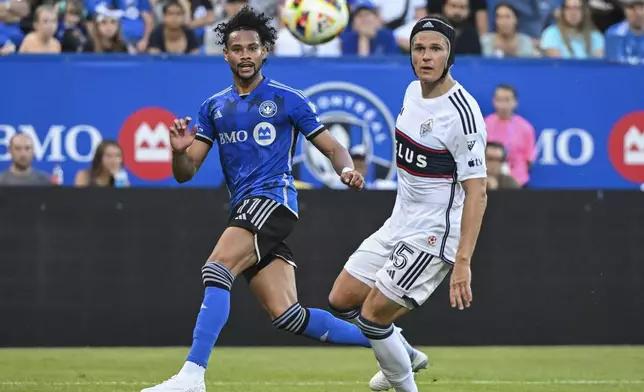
(605, 13)
(231, 7)
(288, 45)
(200, 16)
(513, 132)
(477, 15)
(173, 36)
(505, 41)
(11, 12)
(403, 32)
(395, 14)
(494, 161)
(106, 164)
(574, 35)
(136, 19)
(467, 37)
(367, 36)
(107, 37)
(21, 173)
(6, 46)
(625, 40)
(72, 31)
(42, 39)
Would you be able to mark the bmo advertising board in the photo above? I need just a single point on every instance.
(588, 116)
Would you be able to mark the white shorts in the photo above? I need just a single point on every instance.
(398, 267)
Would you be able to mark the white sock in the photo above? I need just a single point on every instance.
(191, 369)
(349, 316)
(391, 355)
(410, 350)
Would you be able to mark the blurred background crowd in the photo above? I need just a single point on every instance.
(571, 29)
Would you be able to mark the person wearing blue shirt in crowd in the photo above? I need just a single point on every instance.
(11, 12)
(137, 21)
(366, 36)
(625, 40)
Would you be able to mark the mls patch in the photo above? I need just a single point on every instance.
(267, 109)
(470, 144)
(426, 127)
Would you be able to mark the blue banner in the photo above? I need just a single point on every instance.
(589, 116)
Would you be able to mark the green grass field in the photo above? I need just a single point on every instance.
(517, 369)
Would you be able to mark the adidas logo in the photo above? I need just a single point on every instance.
(241, 216)
(470, 144)
(391, 273)
(428, 25)
(217, 114)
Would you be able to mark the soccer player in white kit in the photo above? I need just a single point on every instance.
(435, 223)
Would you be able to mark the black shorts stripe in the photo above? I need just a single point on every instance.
(403, 280)
(418, 270)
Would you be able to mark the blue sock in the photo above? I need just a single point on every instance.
(320, 325)
(213, 314)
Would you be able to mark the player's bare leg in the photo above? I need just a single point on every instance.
(275, 288)
(346, 299)
(376, 322)
(234, 252)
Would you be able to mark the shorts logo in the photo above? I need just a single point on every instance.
(145, 140)
(264, 134)
(267, 109)
(431, 240)
(355, 117)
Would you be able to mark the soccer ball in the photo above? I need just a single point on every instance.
(315, 22)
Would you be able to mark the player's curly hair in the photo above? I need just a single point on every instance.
(248, 19)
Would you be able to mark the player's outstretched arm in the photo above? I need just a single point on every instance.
(187, 154)
(340, 158)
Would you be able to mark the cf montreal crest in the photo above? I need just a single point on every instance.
(356, 118)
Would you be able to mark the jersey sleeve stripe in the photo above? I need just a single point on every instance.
(468, 110)
(281, 86)
(465, 113)
(460, 114)
(315, 132)
(205, 139)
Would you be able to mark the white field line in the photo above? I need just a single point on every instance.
(326, 383)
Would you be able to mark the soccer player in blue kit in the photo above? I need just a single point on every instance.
(255, 123)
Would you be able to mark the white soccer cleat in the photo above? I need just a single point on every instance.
(380, 383)
(179, 383)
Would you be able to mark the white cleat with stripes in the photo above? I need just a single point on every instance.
(180, 383)
(380, 383)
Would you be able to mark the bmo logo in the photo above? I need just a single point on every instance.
(145, 140)
(233, 137)
(572, 147)
(57, 143)
(626, 146)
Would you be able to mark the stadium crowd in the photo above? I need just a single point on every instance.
(578, 29)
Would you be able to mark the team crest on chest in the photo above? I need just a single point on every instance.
(267, 109)
(426, 127)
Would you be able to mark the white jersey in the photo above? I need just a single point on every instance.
(440, 142)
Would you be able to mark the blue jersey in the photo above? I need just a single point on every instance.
(257, 134)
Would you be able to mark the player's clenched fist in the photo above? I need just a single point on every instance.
(181, 137)
(353, 179)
